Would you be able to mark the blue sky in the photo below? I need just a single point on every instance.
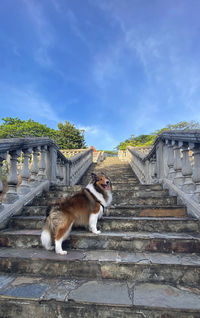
(112, 67)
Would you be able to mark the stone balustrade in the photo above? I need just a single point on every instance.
(174, 160)
(98, 156)
(71, 152)
(33, 165)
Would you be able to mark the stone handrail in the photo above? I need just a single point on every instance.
(98, 156)
(173, 160)
(71, 152)
(42, 164)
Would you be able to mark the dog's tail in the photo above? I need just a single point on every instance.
(46, 236)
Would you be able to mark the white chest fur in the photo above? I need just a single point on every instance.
(100, 196)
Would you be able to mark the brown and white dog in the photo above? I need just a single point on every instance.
(84, 208)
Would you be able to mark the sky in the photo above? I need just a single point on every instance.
(114, 68)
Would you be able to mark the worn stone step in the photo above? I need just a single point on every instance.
(115, 186)
(126, 241)
(141, 211)
(119, 200)
(42, 298)
(177, 269)
(147, 211)
(117, 194)
(134, 224)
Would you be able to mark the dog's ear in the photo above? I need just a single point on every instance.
(102, 173)
(94, 176)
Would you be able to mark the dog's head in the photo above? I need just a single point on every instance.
(101, 181)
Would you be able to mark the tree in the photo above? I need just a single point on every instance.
(148, 140)
(16, 128)
(69, 137)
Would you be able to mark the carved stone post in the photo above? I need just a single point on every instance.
(170, 161)
(178, 178)
(196, 170)
(34, 166)
(188, 186)
(165, 159)
(51, 164)
(2, 158)
(153, 170)
(12, 180)
(42, 164)
(25, 173)
(62, 172)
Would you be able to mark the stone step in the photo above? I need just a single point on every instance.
(147, 211)
(115, 186)
(141, 211)
(176, 269)
(117, 194)
(120, 200)
(28, 296)
(126, 241)
(133, 224)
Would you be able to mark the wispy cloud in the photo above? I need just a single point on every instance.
(26, 102)
(104, 139)
(44, 31)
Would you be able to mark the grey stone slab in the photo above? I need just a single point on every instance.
(5, 280)
(25, 291)
(165, 296)
(102, 292)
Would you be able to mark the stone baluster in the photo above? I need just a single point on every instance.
(12, 180)
(196, 170)
(2, 158)
(62, 172)
(42, 164)
(34, 166)
(153, 169)
(25, 173)
(170, 160)
(178, 178)
(188, 185)
(58, 171)
(165, 160)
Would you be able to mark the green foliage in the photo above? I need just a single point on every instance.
(67, 136)
(17, 128)
(148, 140)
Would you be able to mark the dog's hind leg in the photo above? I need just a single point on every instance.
(62, 232)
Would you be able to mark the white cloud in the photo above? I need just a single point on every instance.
(28, 103)
(98, 137)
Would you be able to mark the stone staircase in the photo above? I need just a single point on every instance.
(145, 263)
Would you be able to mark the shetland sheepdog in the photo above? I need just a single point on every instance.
(84, 208)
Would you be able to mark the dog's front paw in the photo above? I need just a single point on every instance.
(96, 232)
(62, 252)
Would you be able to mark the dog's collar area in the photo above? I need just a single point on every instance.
(95, 198)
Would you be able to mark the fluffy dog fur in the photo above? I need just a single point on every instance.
(83, 208)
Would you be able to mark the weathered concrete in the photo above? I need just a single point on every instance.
(83, 298)
(179, 269)
(122, 223)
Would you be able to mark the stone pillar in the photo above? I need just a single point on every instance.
(51, 164)
(188, 185)
(178, 178)
(196, 170)
(2, 158)
(170, 161)
(165, 159)
(34, 166)
(25, 173)
(42, 164)
(12, 180)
